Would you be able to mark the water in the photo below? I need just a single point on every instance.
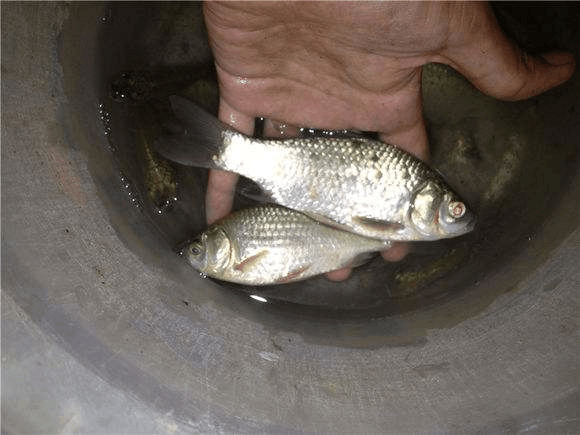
(494, 154)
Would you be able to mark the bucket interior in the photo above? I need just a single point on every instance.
(425, 344)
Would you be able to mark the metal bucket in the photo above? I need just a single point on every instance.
(104, 330)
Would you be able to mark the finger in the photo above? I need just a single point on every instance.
(221, 185)
(412, 139)
(397, 252)
(497, 67)
(339, 274)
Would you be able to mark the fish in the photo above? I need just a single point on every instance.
(160, 176)
(360, 185)
(271, 244)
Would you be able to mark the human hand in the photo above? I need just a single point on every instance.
(357, 66)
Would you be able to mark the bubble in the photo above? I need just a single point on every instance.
(106, 17)
(105, 117)
(129, 190)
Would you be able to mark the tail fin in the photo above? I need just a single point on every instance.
(199, 139)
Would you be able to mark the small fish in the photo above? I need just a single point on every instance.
(360, 185)
(160, 176)
(269, 244)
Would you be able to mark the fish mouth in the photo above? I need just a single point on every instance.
(455, 226)
(182, 247)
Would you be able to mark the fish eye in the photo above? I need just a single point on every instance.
(457, 209)
(195, 248)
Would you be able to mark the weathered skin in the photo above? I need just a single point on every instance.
(270, 244)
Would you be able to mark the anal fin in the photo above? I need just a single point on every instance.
(293, 275)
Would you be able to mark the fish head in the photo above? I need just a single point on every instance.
(437, 212)
(209, 253)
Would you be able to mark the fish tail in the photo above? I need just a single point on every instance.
(198, 140)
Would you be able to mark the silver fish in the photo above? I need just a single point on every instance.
(270, 244)
(364, 186)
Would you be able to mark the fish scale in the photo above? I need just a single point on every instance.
(349, 176)
(270, 244)
(360, 185)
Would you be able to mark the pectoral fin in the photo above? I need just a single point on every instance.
(325, 220)
(378, 224)
(244, 265)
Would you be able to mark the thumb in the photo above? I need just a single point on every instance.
(498, 67)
